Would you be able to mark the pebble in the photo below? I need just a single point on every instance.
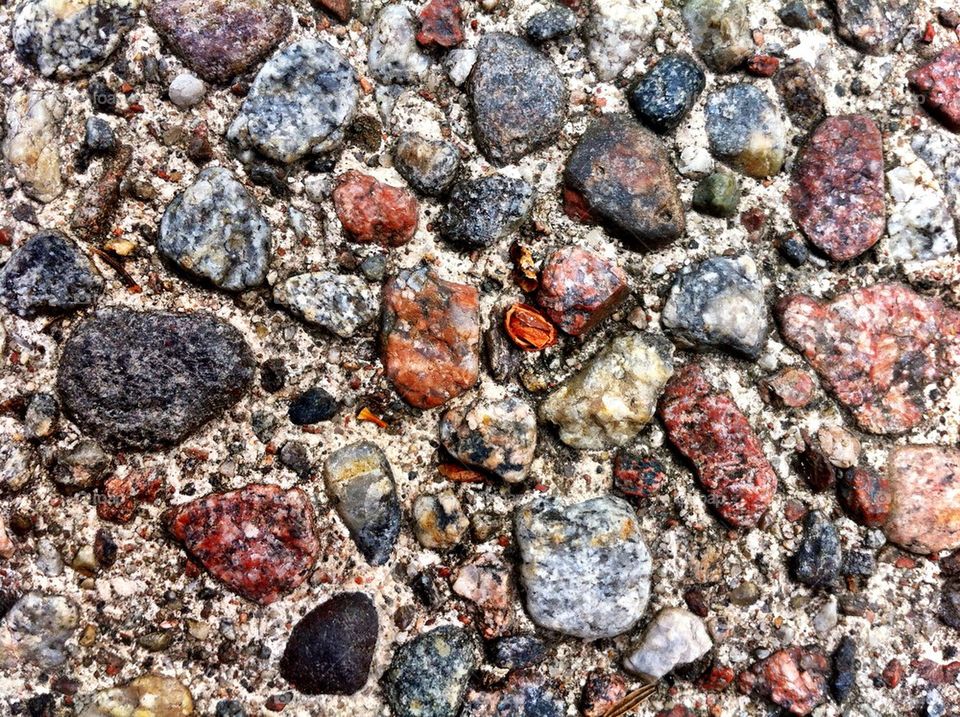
(793, 249)
(480, 212)
(341, 304)
(865, 495)
(674, 637)
(949, 611)
(925, 498)
(360, 484)
(374, 212)
(579, 289)
(717, 195)
(517, 97)
(430, 166)
(939, 87)
(720, 32)
(98, 135)
(36, 629)
(144, 379)
(32, 144)
(42, 416)
(817, 561)
(17, 465)
(621, 176)
(96, 207)
(314, 405)
(664, 96)
(439, 522)
(394, 58)
(298, 105)
(797, 15)
(920, 226)
(495, 435)
(441, 24)
(817, 470)
(637, 478)
(48, 274)
(601, 692)
(614, 396)
(718, 302)
(801, 94)
(839, 445)
(843, 679)
(615, 32)
(149, 695)
(518, 651)
(744, 130)
(340, 9)
(487, 581)
(706, 426)
(745, 594)
(330, 649)
(585, 567)
(794, 678)
(556, 21)
(216, 231)
(459, 63)
(874, 26)
(186, 90)
(525, 693)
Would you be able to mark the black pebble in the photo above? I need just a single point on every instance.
(312, 406)
(273, 375)
(844, 677)
(551, 24)
(518, 651)
(664, 96)
(793, 249)
(817, 562)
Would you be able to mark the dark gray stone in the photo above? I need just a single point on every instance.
(843, 678)
(341, 304)
(517, 651)
(817, 562)
(663, 97)
(312, 406)
(550, 24)
(801, 93)
(874, 26)
(430, 166)
(98, 135)
(482, 211)
(720, 32)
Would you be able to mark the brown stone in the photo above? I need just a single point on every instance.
(791, 387)
(441, 24)
(601, 692)
(938, 82)
(925, 506)
(488, 582)
(579, 289)
(97, 205)
(340, 9)
(371, 211)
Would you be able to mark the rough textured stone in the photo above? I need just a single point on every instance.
(925, 505)
(32, 144)
(612, 398)
(801, 94)
(706, 426)
(601, 692)
(579, 289)
(920, 227)
(745, 131)
(372, 211)
(636, 477)
(837, 191)
(314, 405)
(487, 581)
(524, 694)
(480, 212)
(16, 459)
(843, 679)
(441, 24)
(585, 567)
(938, 82)
(518, 651)
(674, 637)
(144, 379)
(615, 32)
(720, 32)
(81, 467)
(394, 58)
(340, 9)
(341, 304)
(550, 24)
(95, 208)
(794, 678)
(874, 26)
(439, 521)
(664, 96)
(817, 561)
(790, 387)
(865, 495)
(36, 630)
(429, 166)
(149, 695)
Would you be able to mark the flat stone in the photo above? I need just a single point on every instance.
(430, 166)
(36, 630)
(802, 96)
(837, 190)
(359, 482)
(32, 143)
(620, 175)
(614, 396)
(818, 558)
(585, 567)
(480, 212)
(372, 211)
(215, 231)
(579, 289)
(394, 58)
(517, 96)
(149, 695)
(938, 82)
(674, 637)
(874, 26)
(925, 505)
(615, 32)
(439, 522)
(664, 96)
(745, 131)
(550, 24)
(220, 40)
(147, 379)
(441, 24)
(793, 678)
(488, 582)
(341, 304)
(720, 32)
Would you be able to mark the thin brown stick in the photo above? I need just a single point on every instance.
(116, 265)
(631, 701)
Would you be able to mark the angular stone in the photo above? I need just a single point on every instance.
(372, 211)
(81, 467)
(431, 336)
(745, 131)
(585, 567)
(394, 58)
(664, 96)
(215, 231)
(801, 94)
(720, 32)
(837, 190)
(330, 649)
(620, 175)
(488, 582)
(314, 405)
(221, 40)
(36, 630)
(298, 105)
(794, 678)
(674, 637)
(480, 212)
(938, 82)
(341, 304)
(579, 289)
(615, 32)
(32, 144)
(429, 166)
(92, 217)
(259, 541)
(517, 96)
(865, 495)
(550, 24)
(878, 349)
(706, 426)
(359, 482)
(874, 26)
(48, 275)
(146, 379)
(439, 521)
(441, 24)
(817, 561)
(925, 505)
(614, 396)
(149, 695)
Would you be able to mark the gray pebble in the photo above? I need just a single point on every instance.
(186, 90)
(36, 631)
(430, 166)
(340, 304)
(674, 637)
(744, 130)
(550, 24)
(482, 211)
(98, 135)
(394, 57)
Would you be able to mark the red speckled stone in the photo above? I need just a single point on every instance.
(794, 678)
(791, 387)
(837, 190)
(578, 289)
(431, 336)
(925, 509)
(707, 427)
(259, 541)
(601, 691)
(939, 84)
(877, 349)
(636, 477)
(441, 24)
(372, 211)
(719, 678)
(865, 496)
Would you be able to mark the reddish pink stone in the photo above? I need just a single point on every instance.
(488, 582)
(939, 84)
(925, 509)
(601, 691)
(794, 678)
(372, 211)
(122, 495)
(676, 711)
(878, 349)
(707, 427)
(579, 289)
(790, 387)
(259, 541)
(636, 477)
(837, 190)
(865, 496)
(441, 24)
(763, 65)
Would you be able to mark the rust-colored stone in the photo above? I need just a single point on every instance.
(441, 24)
(340, 9)
(865, 495)
(794, 678)
(98, 203)
(528, 328)
(938, 82)
(579, 289)
(371, 211)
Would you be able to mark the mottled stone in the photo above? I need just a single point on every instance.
(17, 466)
(149, 695)
(706, 426)
(843, 678)
(585, 567)
(745, 131)
(878, 349)
(579, 289)
(98, 135)
(925, 505)
(840, 446)
(674, 637)
(439, 522)
(340, 9)
(664, 96)
(938, 83)
(615, 32)
(524, 694)
(550, 24)
(865, 495)
(802, 96)
(620, 175)
(717, 195)
(80, 467)
(518, 651)
(601, 692)
(818, 558)
(441, 24)
(215, 231)
(359, 482)
(874, 26)
(95, 208)
(36, 630)
(394, 58)
(430, 166)
(920, 227)
(487, 581)
(372, 211)
(480, 212)
(720, 32)
(341, 304)
(637, 478)
(330, 649)
(32, 143)
(794, 678)
(48, 274)
(614, 396)
(146, 379)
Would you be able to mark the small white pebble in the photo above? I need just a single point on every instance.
(186, 90)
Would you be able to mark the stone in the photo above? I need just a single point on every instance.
(819, 473)
(550, 24)
(793, 678)
(615, 32)
(707, 427)
(48, 274)
(818, 559)
(359, 483)
(430, 332)
(98, 135)
(949, 612)
(394, 58)
(620, 175)
(298, 105)
(340, 9)
(480, 212)
(36, 629)
(221, 40)
(878, 349)
(874, 26)
(517, 97)
(921, 226)
(149, 695)
(839, 445)
(314, 405)
(837, 193)
(720, 32)
(495, 435)
(17, 466)
(802, 96)
(430, 166)
(717, 195)
(614, 396)
(524, 693)
(601, 692)
(793, 249)
(925, 498)
(215, 231)
(718, 303)
(938, 83)
(374, 212)
(579, 289)
(428, 675)
(32, 143)
(186, 90)
(95, 208)
(141, 380)
(865, 495)
(42, 416)
(518, 651)
(745, 131)
(68, 40)
(674, 637)
(797, 15)
(637, 478)
(441, 24)
(439, 522)
(80, 467)
(330, 649)
(585, 567)
(339, 303)
(259, 541)
(664, 96)
(487, 581)
(843, 678)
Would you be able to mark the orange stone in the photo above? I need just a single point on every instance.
(371, 211)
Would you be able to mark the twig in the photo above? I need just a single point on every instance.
(631, 701)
